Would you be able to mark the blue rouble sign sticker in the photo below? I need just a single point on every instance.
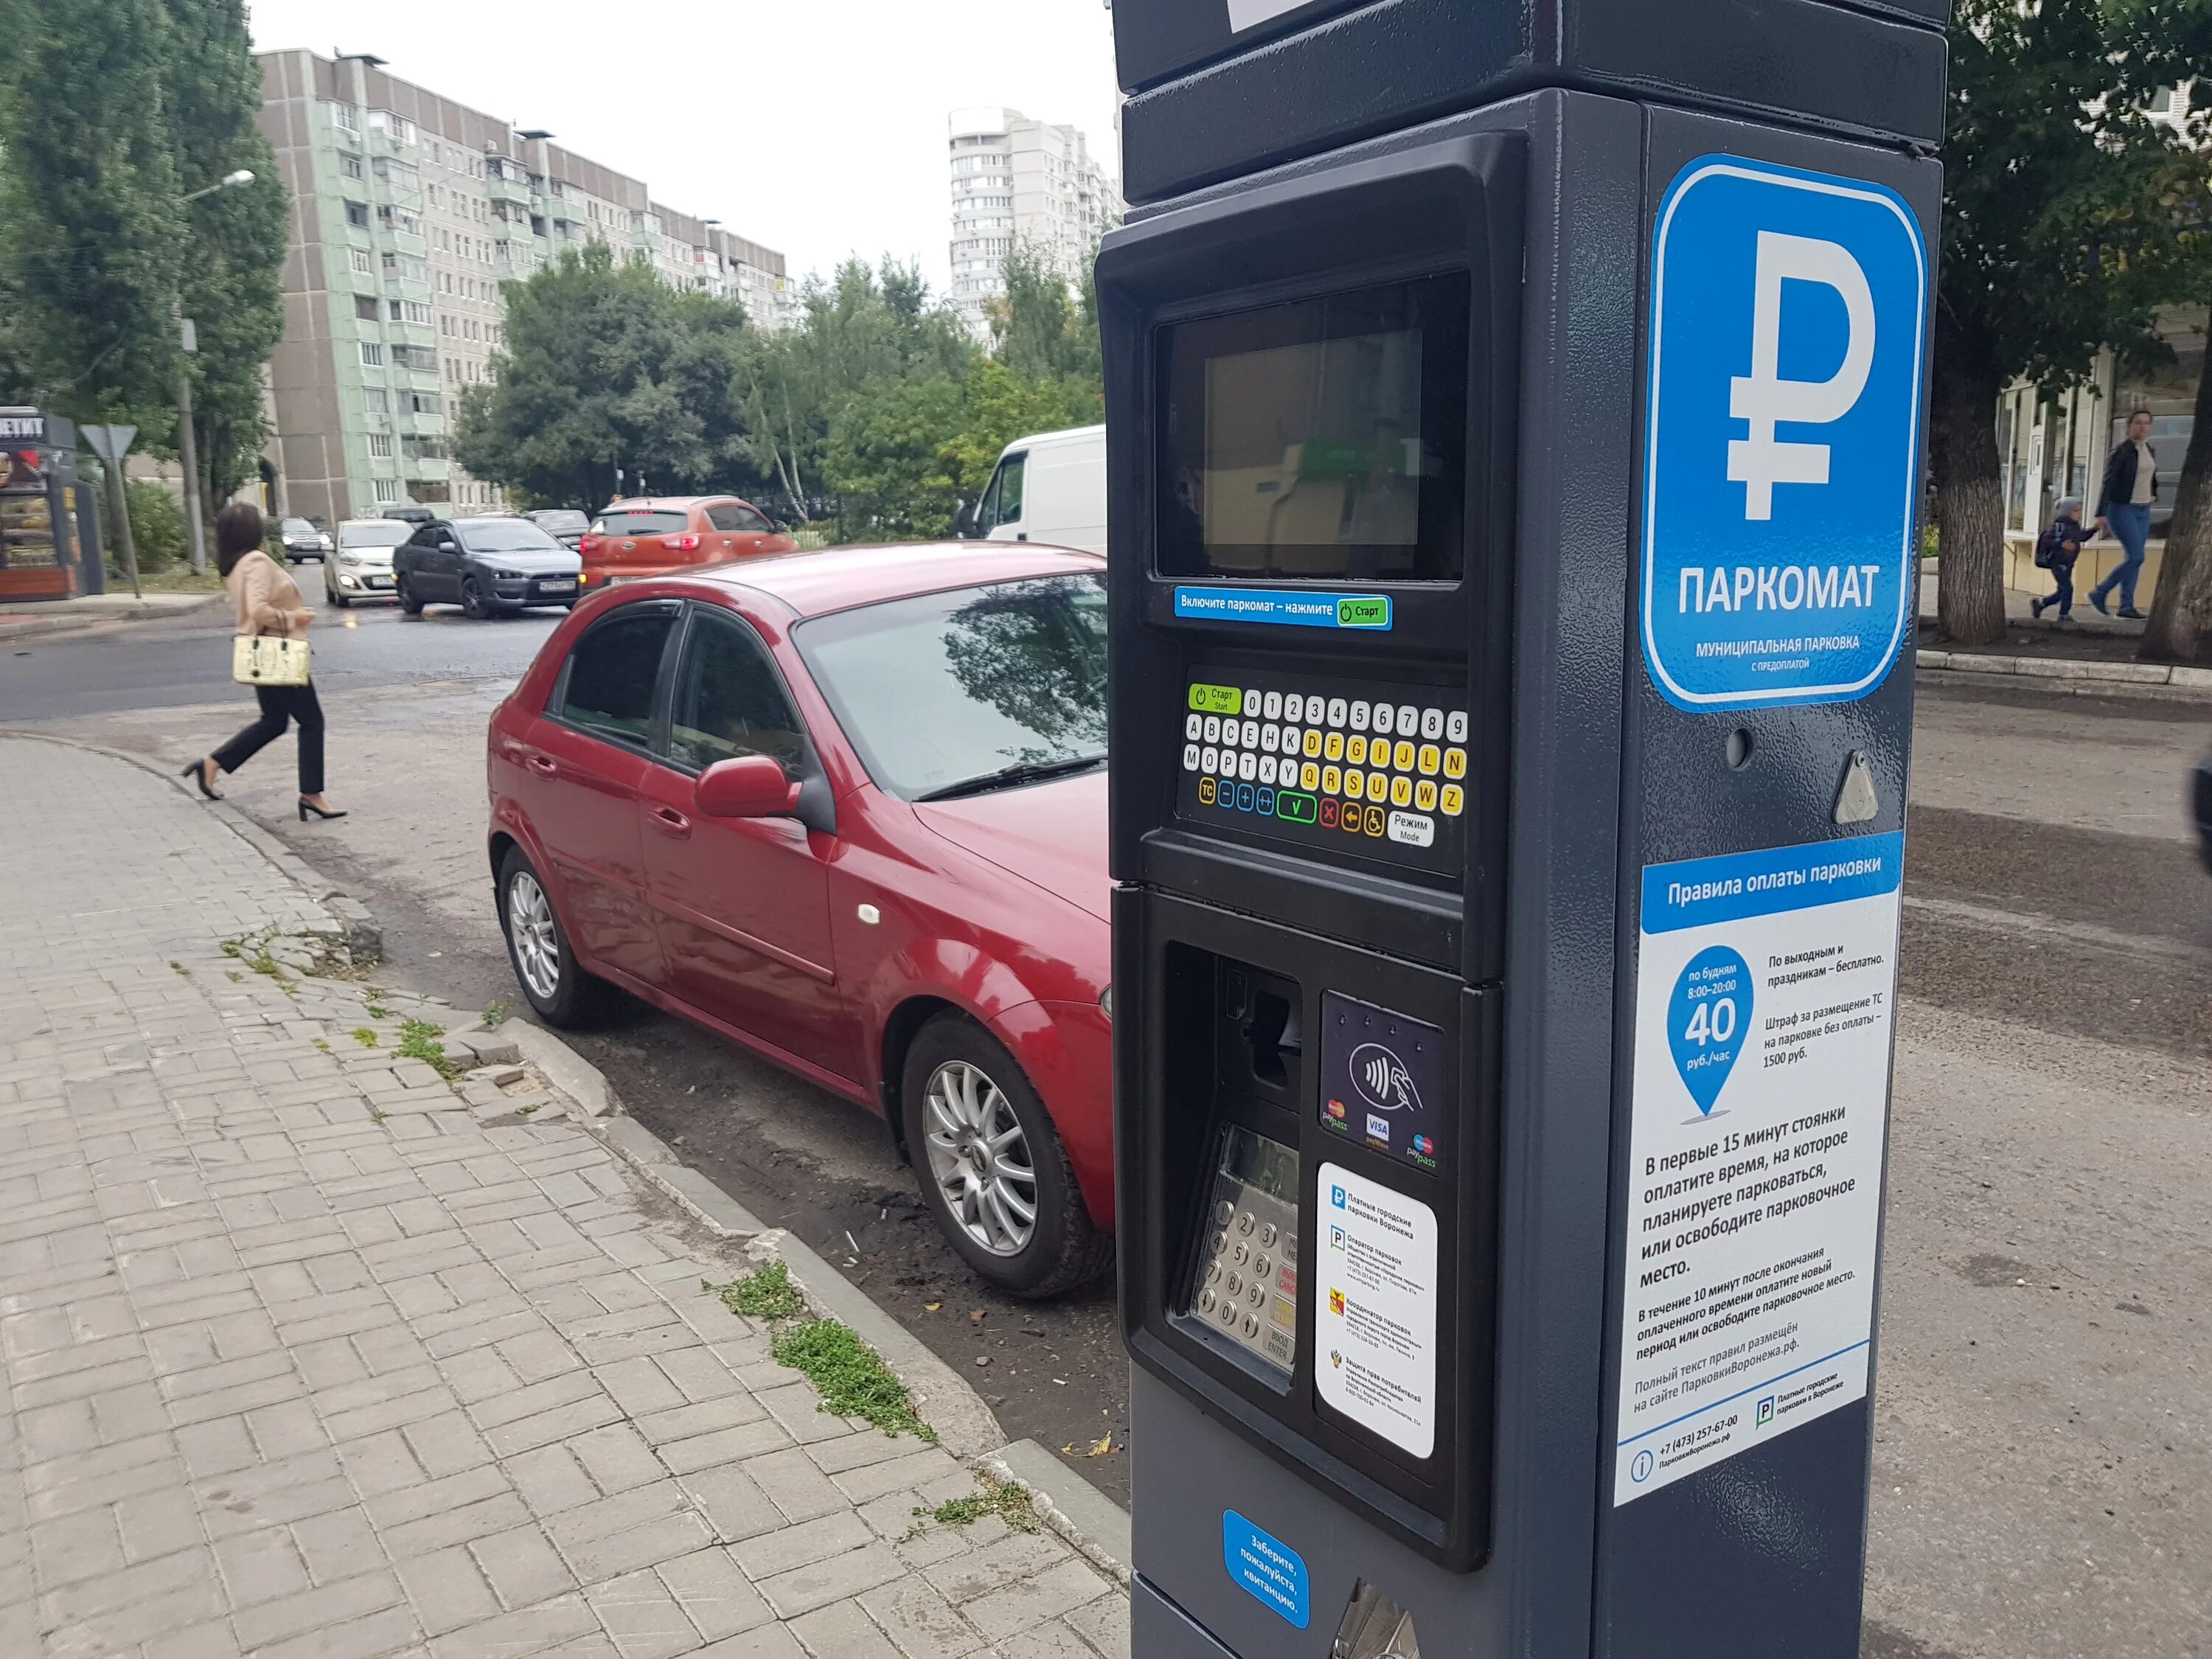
(1782, 471)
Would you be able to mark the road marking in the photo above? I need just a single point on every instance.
(2078, 932)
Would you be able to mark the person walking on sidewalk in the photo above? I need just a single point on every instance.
(2056, 550)
(267, 601)
(2124, 511)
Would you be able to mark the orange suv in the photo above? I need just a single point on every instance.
(661, 535)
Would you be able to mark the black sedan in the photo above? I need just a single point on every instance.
(303, 540)
(485, 566)
(564, 524)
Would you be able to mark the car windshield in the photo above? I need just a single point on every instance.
(560, 522)
(384, 532)
(298, 527)
(642, 522)
(508, 536)
(951, 689)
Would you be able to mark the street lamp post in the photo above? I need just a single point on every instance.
(187, 439)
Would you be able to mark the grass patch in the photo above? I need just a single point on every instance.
(494, 1014)
(852, 1376)
(365, 1036)
(418, 1040)
(849, 1375)
(323, 1046)
(1003, 1498)
(766, 1293)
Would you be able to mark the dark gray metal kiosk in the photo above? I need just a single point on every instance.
(1513, 432)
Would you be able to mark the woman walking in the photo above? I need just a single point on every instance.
(2124, 510)
(267, 601)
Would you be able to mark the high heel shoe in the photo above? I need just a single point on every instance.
(305, 807)
(198, 772)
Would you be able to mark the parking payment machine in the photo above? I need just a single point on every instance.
(1514, 421)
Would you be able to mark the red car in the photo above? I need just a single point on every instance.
(849, 809)
(656, 535)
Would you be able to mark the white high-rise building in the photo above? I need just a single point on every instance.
(1016, 180)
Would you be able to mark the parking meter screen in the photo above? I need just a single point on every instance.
(1320, 440)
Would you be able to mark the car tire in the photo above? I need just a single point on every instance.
(474, 605)
(406, 592)
(335, 598)
(561, 993)
(959, 1085)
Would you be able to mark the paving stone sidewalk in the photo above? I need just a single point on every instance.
(305, 1359)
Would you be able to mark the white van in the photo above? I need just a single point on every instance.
(1050, 486)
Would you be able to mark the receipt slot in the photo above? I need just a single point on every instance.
(1513, 432)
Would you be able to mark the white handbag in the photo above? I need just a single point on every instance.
(268, 659)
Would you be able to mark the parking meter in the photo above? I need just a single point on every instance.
(1514, 417)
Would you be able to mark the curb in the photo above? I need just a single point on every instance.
(33, 628)
(2063, 674)
(966, 1426)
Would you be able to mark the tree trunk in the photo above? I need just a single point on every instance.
(2180, 626)
(1969, 501)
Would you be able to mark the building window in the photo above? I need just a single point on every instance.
(385, 490)
(371, 354)
(357, 214)
(349, 166)
(342, 116)
(415, 311)
(379, 445)
(375, 401)
(425, 402)
(364, 307)
(363, 266)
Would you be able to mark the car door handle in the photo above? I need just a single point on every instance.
(544, 765)
(1021, 535)
(670, 821)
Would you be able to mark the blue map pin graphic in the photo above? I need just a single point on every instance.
(1709, 1021)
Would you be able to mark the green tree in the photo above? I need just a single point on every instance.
(2057, 240)
(885, 458)
(1039, 329)
(603, 368)
(91, 235)
(1000, 406)
(234, 253)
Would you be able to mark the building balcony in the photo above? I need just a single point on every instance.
(422, 466)
(517, 191)
(412, 243)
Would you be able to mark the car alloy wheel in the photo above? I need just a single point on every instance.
(979, 1156)
(408, 602)
(472, 599)
(530, 925)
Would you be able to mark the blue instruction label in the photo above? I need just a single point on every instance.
(1264, 1567)
(1284, 607)
(1781, 469)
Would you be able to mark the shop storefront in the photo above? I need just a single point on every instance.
(49, 535)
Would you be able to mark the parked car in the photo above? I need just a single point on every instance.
(2200, 789)
(564, 524)
(849, 809)
(406, 513)
(652, 536)
(484, 565)
(361, 569)
(1049, 486)
(302, 540)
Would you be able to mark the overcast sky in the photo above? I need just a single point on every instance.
(815, 126)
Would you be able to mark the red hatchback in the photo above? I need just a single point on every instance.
(847, 808)
(654, 536)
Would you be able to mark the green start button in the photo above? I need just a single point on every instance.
(1365, 612)
(1217, 699)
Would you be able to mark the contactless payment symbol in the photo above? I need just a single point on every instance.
(1782, 435)
(1706, 1019)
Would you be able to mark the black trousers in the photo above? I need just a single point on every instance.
(279, 705)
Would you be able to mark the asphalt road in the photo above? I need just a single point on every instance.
(2043, 1485)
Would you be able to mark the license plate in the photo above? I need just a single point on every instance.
(376, 581)
(558, 586)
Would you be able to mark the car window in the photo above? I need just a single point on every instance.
(729, 699)
(607, 688)
(736, 515)
(559, 521)
(372, 535)
(508, 536)
(944, 689)
(642, 523)
(298, 527)
(1012, 471)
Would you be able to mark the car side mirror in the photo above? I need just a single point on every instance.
(747, 786)
(447, 546)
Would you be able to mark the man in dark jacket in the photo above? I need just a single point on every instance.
(2124, 510)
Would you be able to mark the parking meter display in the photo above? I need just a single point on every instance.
(1245, 1282)
(1376, 770)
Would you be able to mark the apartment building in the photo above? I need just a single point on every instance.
(1016, 180)
(408, 212)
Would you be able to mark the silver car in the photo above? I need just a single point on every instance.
(362, 566)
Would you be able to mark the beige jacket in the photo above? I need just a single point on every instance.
(266, 597)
